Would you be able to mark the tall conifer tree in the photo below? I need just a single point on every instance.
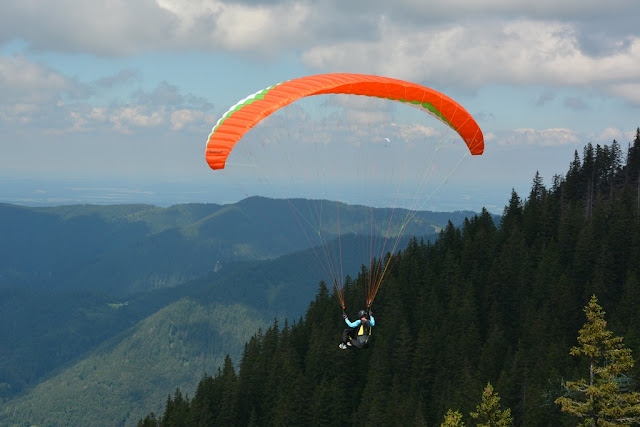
(601, 400)
(489, 413)
(452, 419)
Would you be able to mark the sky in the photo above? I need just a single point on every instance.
(112, 101)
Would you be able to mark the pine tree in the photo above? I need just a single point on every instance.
(489, 413)
(227, 406)
(176, 410)
(452, 419)
(532, 214)
(250, 381)
(571, 188)
(512, 216)
(204, 402)
(602, 400)
(149, 421)
(632, 169)
(588, 176)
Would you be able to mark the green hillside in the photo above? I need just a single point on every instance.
(125, 249)
(47, 330)
(75, 277)
(135, 371)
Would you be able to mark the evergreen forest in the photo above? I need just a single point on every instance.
(107, 309)
(484, 303)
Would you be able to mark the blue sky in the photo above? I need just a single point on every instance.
(112, 100)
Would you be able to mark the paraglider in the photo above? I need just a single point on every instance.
(247, 113)
(359, 332)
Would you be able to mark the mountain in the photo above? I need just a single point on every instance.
(73, 278)
(485, 303)
(49, 331)
(124, 249)
(134, 371)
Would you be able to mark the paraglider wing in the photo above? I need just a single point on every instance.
(245, 114)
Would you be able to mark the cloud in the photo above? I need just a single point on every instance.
(22, 81)
(577, 104)
(521, 52)
(609, 134)
(115, 27)
(31, 92)
(122, 77)
(164, 93)
(466, 43)
(544, 98)
(120, 27)
(126, 28)
(559, 137)
(137, 116)
(540, 137)
(629, 91)
(34, 95)
(181, 118)
(462, 44)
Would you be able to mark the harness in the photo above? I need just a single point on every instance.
(363, 338)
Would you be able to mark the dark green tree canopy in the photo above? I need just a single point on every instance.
(488, 303)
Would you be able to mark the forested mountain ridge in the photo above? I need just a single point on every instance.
(483, 303)
(126, 375)
(68, 276)
(123, 249)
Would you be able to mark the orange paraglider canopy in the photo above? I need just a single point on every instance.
(244, 115)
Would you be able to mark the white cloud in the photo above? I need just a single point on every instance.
(24, 81)
(19, 71)
(522, 52)
(120, 27)
(114, 27)
(35, 95)
(609, 134)
(137, 116)
(628, 91)
(540, 137)
(98, 113)
(260, 29)
(559, 137)
(465, 42)
(181, 118)
(29, 90)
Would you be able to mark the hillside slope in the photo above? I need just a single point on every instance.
(133, 373)
(125, 249)
(73, 277)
